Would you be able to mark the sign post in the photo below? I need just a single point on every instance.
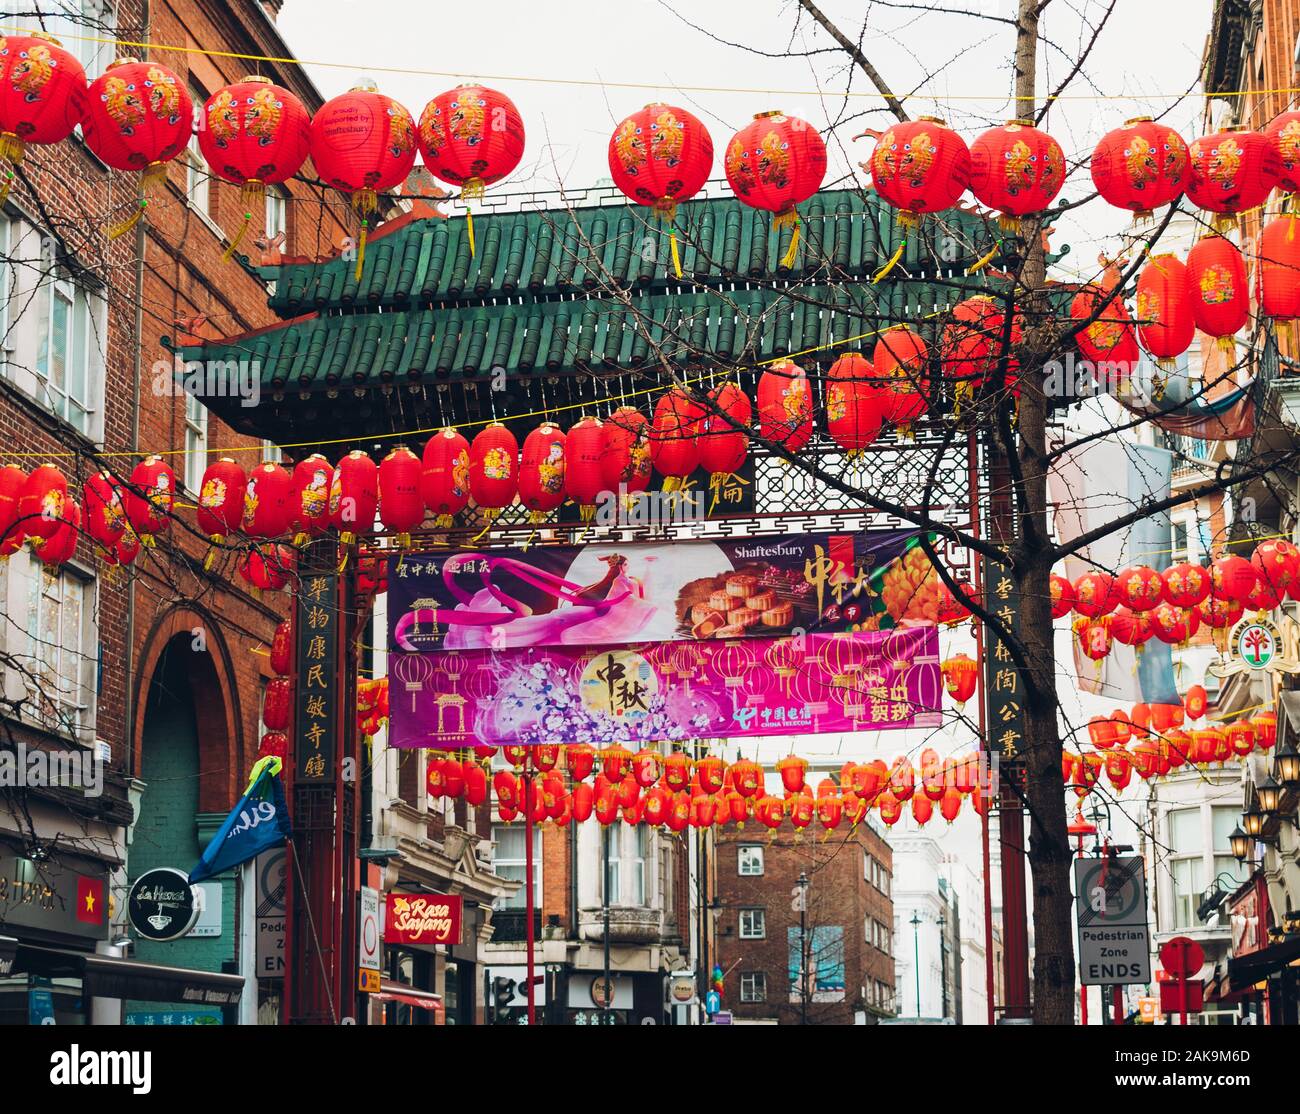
(1182, 957)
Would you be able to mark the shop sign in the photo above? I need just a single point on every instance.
(422, 919)
(52, 898)
(1255, 641)
(1246, 913)
(317, 719)
(162, 905)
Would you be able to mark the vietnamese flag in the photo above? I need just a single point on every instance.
(92, 906)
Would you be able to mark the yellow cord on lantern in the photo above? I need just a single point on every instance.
(361, 258)
(984, 260)
(677, 259)
(792, 252)
(229, 253)
(469, 229)
(125, 226)
(893, 262)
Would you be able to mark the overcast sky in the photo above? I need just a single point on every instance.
(588, 53)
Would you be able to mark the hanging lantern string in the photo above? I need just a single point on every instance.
(656, 87)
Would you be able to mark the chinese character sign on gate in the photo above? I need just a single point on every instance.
(317, 633)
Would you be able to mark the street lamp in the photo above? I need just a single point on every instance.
(803, 948)
(1253, 821)
(1240, 844)
(1286, 765)
(1270, 795)
(916, 955)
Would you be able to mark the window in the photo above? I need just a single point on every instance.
(271, 452)
(73, 23)
(753, 987)
(69, 318)
(509, 861)
(1187, 864)
(753, 924)
(627, 849)
(1180, 540)
(196, 443)
(52, 633)
(197, 179)
(1224, 820)
(749, 860)
(276, 212)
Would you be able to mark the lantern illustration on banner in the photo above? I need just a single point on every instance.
(785, 656)
(414, 671)
(809, 686)
(960, 674)
(844, 658)
(733, 661)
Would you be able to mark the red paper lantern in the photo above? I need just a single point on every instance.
(614, 762)
(444, 483)
(354, 496)
(1129, 627)
(579, 758)
(792, 769)
(541, 471)
(1165, 323)
(1284, 131)
(254, 133)
(674, 449)
(747, 777)
(774, 163)
(221, 499)
(920, 166)
(40, 502)
(267, 569)
(1263, 597)
(1017, 170)
(1103, 732)
(277, 704)
(1062, 596)
(891, 808)
(583, 470)
(506, 787)
(710, 770)
(950, 805)
(372, 572)
(723, 447)
(1265, 724)
(476, 788)
(282, 648)
(1094, 638)
(401, 507)
(149, 500)
(1109, 341)
(1185, 585)
(12, 481)
(901, 359)
(1220, 614)
(1278, 269)
(1174, 625)
(1232, 171)
(274, 744)
(126, 550)
(785, 405)
(854, 402)
(494, 468)
(470, 137)
(974, 341)
(583, 798)
(1217, 289)
(1094, 594)
(625, 457)
(1140, 166)
(42, 94)
(268, 505)
(932, 774)
(960, 673)
(1139, 587)
(657, 802)
(677, 771)
(309, 500)
(1195, 702)
(660, 156)
(105, 513)
(61, 545)
(902, 778)
(1277, 563)
(1232, 578)
(647, 767)
(138, 117)
(363, 143)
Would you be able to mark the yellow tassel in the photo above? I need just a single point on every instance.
(443, 522)
(677, 259)
(208, 559)
(472, 189)
(1290, 227)
(125, 226)
(361, 251)
(1229, 346)
(229, 253)
(6, 185)
(11, 148)
(984, 260)
(671, 483)
(343, 561)
(787, 260)
(587, 512)
(893, 262)
(469, 229)
(1009, 224)
(147, 541)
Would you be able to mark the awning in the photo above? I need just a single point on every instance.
(8, 951)
(408, 996)
(106, 976)
(1250, 969)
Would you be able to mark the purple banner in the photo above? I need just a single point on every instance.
(858, 681)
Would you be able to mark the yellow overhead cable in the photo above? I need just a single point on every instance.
(654, 86)
(545, 413)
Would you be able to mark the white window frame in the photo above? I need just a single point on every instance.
(518, 903)
(1193, 861)
(198, 181)
(746, 855)
(273, 454)
(86, 317)
(276, 216)
(753, 923)
(98, 21)
(753, 986)
(196, 443)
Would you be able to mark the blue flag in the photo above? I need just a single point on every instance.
(260, 820)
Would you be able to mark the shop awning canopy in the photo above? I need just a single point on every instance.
(408, 996)
(106, 976)
(1250, 969)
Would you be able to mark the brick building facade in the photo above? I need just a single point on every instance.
(846, 932)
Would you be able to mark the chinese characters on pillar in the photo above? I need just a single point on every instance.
(1006, 689)
(316, 725)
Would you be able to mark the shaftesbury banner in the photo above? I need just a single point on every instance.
(635, 643)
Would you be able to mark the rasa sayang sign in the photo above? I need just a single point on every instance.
(422, 919)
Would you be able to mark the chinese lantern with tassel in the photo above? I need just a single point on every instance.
(274, 744)
(1062, 596)
(354, 496)
(583, 472)
(1263, 597)
(1265, 725)
(254, 134)
(972, 343)
(1284, 131)
(220, 502)
(282, 648)
(625, 456)
(890, 807)
(920, 166)
(902, 777)
(614, 762)
(1217, 290)
(149, 500)
(268, 509)
(674, 449)
(1175, 625)
(1195, 702)
(1129, 627)
(960, 674)
(1220, 614)
(583, 799)
(138, 117)
(1165, 324)
(661, 156)
(401, 508)
(723, 447)
(1277, 563)
(1017, 170)
(309, 501)
(1108, 341)
(444, 483)
(12, 481)
(1278, 270)
(1094, 594)
(541, 471)
(363, 143)
(40, 503)
(1140, 166)
(747, 777)
(494, 468)
(1232, 171)
(792, 769)
(105, 515)
(647, 766)
(62, 543)
(267, 569)
(579, 758)
(1232, 578)
(785, 406)
(471, 137)
(1094, 638)
(276, 707)
(950, 804)
(901, 359)
(854, 402)
(1185, 585)
(42, 96)
(677, 771)
(775, 163)
(1139, 587)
